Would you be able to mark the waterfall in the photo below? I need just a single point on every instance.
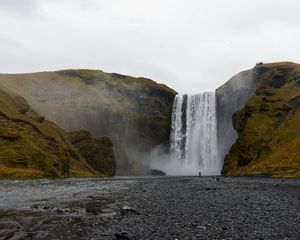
(193, 140)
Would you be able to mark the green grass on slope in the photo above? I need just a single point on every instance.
(269, 126)
(32, 147)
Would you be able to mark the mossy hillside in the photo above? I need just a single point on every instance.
(269, 126)
(32, 147)
(135, 113)
(98, 152)
(27, 144)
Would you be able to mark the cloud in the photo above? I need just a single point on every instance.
(192, 46)
(18, 6)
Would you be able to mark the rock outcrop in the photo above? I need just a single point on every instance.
(135, 113)
(268, 126)
(33, 147)
(97, 151)
(232, 97)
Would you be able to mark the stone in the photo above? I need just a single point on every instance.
(122, 236)
(127, 209)
(35, 206)
(156, 172)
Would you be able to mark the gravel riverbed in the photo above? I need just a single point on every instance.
(151, 208)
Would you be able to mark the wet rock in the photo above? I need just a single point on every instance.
(210, 188)
(194, 224)
(93, 210)
(156, 172)
(127, 209)
(58, 210)
(122, 236)
(35, 206)
(201, 227)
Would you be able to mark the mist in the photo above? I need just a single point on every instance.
(171, 165)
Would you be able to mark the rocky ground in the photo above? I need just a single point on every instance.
(151, 208)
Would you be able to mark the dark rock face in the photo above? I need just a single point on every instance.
(135, 113)
(231, 97)
(156, 172)
(97, 151)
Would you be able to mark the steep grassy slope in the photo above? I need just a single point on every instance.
(269, 125)
(97, 151)
(32, 147)
(135, 113)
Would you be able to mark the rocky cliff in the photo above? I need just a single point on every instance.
(268, 126)
(135, 113)
(231, 97)
(33, 147)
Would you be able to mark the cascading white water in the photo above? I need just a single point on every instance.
(193, 140)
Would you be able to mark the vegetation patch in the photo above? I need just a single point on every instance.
(269, 126)
(32, 147)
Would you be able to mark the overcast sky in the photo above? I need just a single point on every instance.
(190, 45)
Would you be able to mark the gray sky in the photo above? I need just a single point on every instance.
(190, 45)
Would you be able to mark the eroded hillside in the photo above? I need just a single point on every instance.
(33, 147)
(135, 113)
(269, 125)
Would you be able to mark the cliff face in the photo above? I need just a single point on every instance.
(231, 97)
(32, 147)
(135, 113)
(268, 125)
